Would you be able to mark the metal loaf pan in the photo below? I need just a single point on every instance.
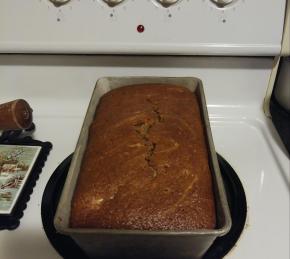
(135, 243)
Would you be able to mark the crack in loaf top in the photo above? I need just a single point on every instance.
(146, 163)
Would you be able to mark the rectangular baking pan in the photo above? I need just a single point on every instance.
(110, 243)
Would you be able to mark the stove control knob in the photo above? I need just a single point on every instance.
(167, 3)
(59, 2)
(222, 3)
(113, 3)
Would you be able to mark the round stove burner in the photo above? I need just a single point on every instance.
(238, 207)
(68, 249)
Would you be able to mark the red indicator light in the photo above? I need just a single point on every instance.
(140, 28)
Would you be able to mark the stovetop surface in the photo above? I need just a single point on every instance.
(59, 92)
(261, 173)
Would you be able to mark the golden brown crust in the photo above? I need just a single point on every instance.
(146, 164)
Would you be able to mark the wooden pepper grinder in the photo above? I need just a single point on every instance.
(14, 115)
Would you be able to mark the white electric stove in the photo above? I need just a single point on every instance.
(230, 47)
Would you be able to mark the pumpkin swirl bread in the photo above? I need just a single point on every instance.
(146, 164)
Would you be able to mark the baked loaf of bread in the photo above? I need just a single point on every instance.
(146, 163)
